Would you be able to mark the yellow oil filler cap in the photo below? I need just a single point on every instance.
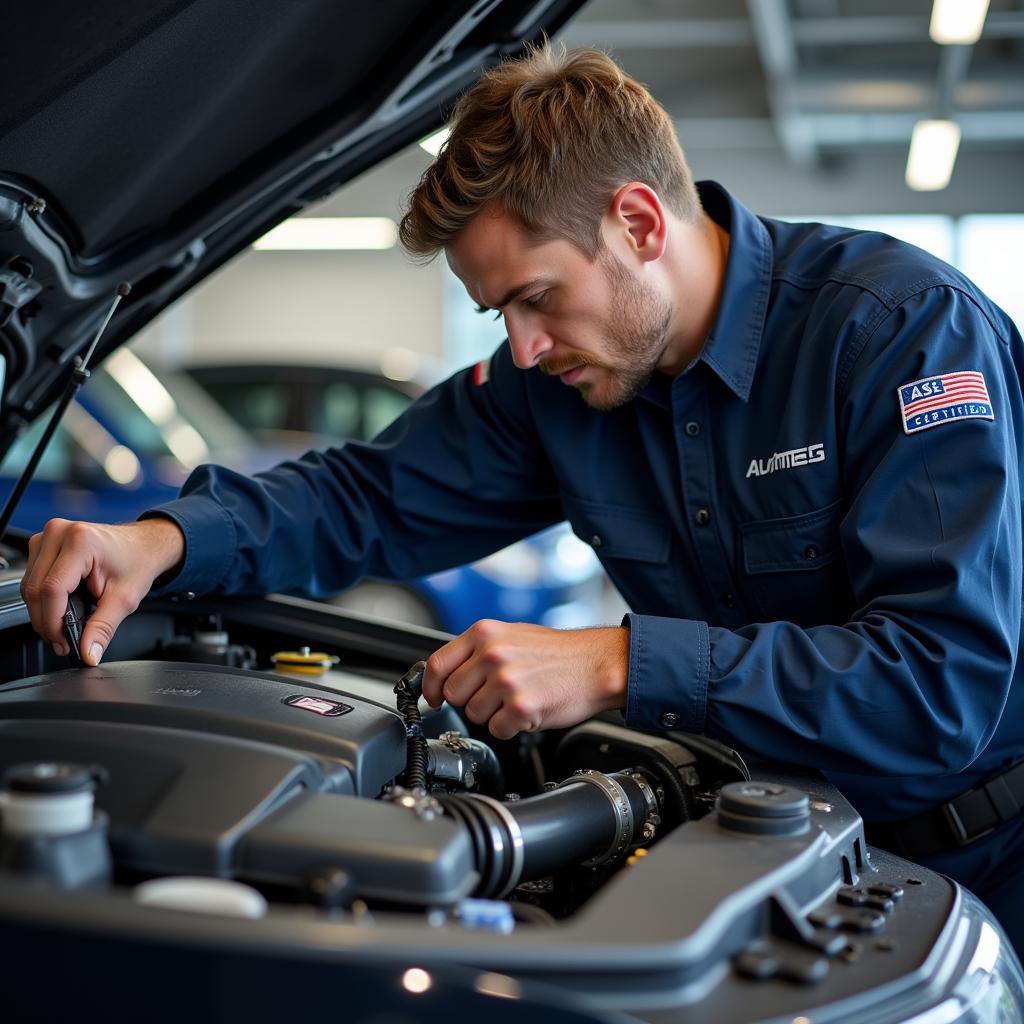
(303, 662)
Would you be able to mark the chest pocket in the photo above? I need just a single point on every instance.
(619, 531)
(793, 568)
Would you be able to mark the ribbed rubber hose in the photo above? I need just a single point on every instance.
(527, 839)
(407, 696)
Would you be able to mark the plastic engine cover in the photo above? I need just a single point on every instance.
(363, 741)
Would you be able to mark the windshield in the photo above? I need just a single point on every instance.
(159, 416)
(132, 414)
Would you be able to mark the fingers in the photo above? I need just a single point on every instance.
(58, 561)
(520, 677)
(506, 725)
(475, 671)
(115, 604)
(444, 661)
(114, 561)
(484, 703)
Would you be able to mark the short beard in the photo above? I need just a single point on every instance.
(636, 338)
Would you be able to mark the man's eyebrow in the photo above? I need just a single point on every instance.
(512, 295)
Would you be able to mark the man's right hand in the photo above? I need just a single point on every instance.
(117, 563)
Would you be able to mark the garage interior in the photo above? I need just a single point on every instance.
(327, 839)
(803, 108)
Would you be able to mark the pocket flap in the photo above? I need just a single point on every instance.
(792, 544)
(619, 531)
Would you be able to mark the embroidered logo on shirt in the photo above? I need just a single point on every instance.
(787, 460)
(482, 372)
(932, 401)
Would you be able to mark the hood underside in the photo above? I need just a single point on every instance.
(150, 142)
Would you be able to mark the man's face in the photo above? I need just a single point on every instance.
(594, 323)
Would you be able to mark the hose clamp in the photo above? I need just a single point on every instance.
(619, 801)
(422, 805)
(652, 818)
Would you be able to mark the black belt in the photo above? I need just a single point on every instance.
(958, 822)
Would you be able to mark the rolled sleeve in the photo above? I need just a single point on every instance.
(669, 665)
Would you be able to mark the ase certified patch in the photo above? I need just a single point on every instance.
(932, 401)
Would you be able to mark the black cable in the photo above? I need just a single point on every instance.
(407, 694)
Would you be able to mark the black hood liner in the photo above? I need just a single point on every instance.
(139, 108)
(151, 141)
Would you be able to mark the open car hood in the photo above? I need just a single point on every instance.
(150, 142)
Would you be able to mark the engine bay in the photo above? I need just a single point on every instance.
(266, 775)
(259, 763)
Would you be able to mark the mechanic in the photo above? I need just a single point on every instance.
(795, 448)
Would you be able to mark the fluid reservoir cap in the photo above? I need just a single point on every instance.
(764, 808)
(202, 895)
(51, 777)
(304, 661)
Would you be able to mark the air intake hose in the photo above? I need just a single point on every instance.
(590, 818)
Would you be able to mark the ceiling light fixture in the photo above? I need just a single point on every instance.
(326, 233)
(933, 149)
(957, 21)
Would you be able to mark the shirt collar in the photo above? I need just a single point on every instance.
(732, 345)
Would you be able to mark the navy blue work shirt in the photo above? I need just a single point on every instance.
(818, 524)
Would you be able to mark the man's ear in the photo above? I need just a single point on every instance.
(637, 218)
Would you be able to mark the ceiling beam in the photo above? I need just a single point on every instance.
(953, 65)
(842, 131)
(904, 89)
(773, 36)
(665, 33)
(701, 33)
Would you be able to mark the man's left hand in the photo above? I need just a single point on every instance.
(519, 677)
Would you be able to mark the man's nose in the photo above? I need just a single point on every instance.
(529, 342)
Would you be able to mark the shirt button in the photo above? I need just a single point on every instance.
(692, 428)
(729, 600)
(810, 551)
(595, 541)
(669, 719)
(703, 517)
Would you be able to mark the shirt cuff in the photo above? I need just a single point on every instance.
(210, 542)
(669, 665)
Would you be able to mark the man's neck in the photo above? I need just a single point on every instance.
(699, 254)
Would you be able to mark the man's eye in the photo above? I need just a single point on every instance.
(535, 300)
(487, 309)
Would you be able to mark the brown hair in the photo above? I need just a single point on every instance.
(551, 137)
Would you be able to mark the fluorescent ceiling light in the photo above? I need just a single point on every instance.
(122, 465)
(957, 21)
(398, 363)
(186, 444)
(307, 233)
(933, 149)
(433, 143)
(142, 386)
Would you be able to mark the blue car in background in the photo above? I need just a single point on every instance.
(132, 436)
(126, 443)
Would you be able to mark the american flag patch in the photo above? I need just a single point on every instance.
(932, 401)
(482, 371)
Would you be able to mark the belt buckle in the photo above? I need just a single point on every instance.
(957, 827)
